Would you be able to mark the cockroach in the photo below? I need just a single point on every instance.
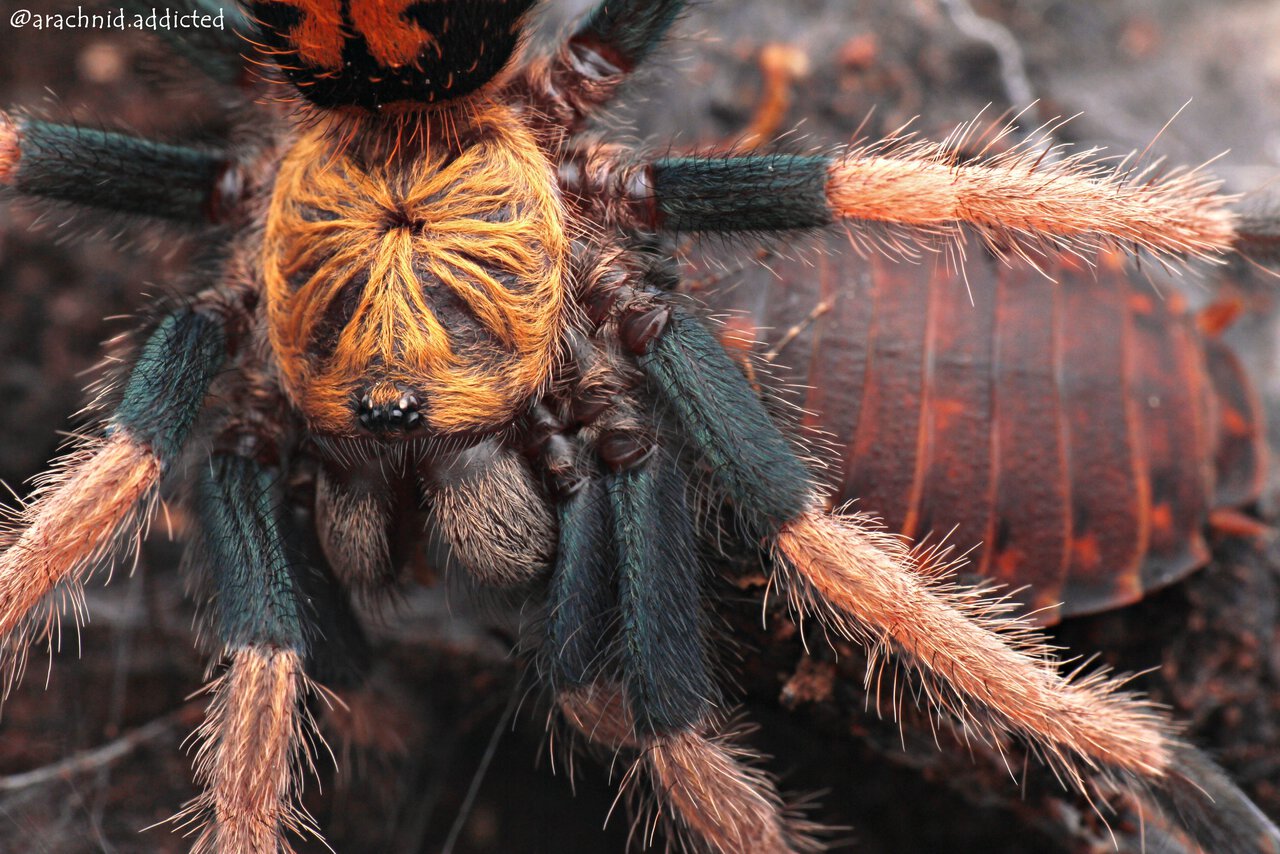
(1073, 429)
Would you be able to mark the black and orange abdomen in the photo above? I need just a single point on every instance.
(1076, 434)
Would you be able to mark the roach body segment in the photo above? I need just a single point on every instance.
(990, 406)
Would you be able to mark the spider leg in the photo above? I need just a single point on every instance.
(664, 659)
(100, 495)
(653, 693)
(701, 781)
(903, 197)
(213, 50)
(984, 667)
(113, 171)
(582, 598)
(256, 734)
(586, 72)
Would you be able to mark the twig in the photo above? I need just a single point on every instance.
(90, 760)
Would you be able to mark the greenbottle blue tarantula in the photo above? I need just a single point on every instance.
(437, 291)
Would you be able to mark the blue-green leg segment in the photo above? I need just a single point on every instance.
(109, 171)
(664, 656)
(252, 580)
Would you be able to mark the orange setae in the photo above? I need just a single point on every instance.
(438, 271)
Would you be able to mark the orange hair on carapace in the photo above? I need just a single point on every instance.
(436, 270)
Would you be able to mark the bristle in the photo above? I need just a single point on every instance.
(92, 502)
(254, 740)
(727, 805)
(1032, 198)
(10, 147)
(979, 664)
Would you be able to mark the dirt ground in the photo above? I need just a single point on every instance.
(1212, 642)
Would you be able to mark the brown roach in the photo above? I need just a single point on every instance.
(1075, 427)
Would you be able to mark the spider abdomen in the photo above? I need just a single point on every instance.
(433, 274)
(1076, 432)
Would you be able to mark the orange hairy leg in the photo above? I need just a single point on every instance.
(980, 665)
(257, 737)
(10, 147)
(703, 783)
(1029, 195)
(100, 496)
(253, 739)
(89, 506)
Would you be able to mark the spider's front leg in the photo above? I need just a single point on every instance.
(257, 733)
(98, 497)
(625, 646)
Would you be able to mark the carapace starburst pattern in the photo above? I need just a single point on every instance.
(433, 294)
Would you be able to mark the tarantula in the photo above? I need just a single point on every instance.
(434, 288)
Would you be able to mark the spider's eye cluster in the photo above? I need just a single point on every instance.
(371, 53)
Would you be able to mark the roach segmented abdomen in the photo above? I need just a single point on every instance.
(1074, 429)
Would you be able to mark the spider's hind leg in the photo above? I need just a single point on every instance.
(585, 74)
